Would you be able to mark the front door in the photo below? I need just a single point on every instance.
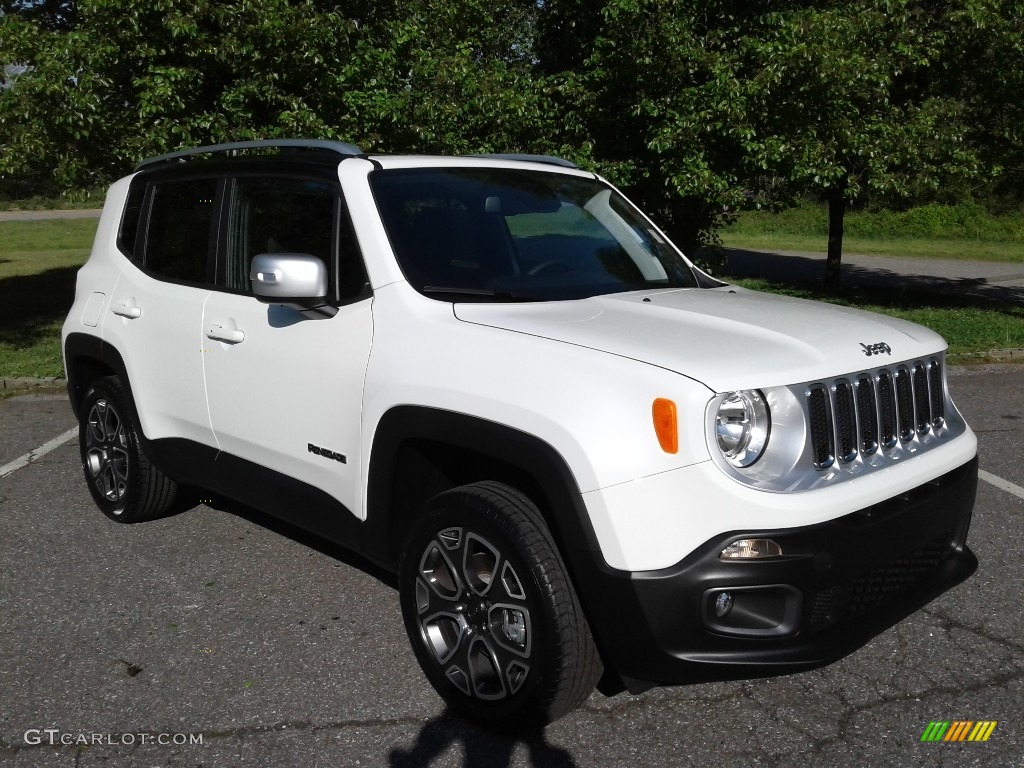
(285, 389)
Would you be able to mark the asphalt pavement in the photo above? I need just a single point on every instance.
(219, 637)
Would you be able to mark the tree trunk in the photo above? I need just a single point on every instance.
(836, 211)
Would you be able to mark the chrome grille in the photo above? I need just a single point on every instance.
(854, 417)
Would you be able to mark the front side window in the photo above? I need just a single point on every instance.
(278, 215)
(178, 237)
(496, 234)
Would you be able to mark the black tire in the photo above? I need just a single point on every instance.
(490, 613)
(123, 481)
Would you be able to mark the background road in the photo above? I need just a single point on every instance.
(280, 651)
(984, 282)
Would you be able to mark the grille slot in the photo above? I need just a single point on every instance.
(846, 426)
(821, 427)
(868, 416)
(922, 410)
(886, 409)
(904, 404)
(851, 417)
(938, 402)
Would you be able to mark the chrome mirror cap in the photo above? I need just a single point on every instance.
(287, 278)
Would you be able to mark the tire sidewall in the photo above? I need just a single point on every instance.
(111, 391)
(529, 702)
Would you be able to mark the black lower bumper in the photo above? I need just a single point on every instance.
(837, 585)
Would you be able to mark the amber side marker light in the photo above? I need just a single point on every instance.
(666, 424)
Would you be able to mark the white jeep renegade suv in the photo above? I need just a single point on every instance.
(495, 377)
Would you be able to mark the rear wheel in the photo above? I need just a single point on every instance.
(494, 621)
(123, 481)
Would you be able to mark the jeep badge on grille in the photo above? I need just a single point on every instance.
(876, 349)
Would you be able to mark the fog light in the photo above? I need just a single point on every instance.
(752, 610)
(751, 549)
(723, 604)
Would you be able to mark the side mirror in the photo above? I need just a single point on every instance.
(295, 280)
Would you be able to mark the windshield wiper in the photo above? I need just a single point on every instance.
(475, 292)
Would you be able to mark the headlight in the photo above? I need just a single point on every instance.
(742, 427)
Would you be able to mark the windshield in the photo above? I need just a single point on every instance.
(486, 234)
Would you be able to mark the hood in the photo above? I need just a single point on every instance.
(727, 338)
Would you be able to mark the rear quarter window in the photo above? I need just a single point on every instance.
(129, 232)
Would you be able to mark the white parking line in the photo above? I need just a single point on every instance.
(1003, 485)
(42, 450)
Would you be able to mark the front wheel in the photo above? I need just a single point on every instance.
(123, 481)
(492, 617)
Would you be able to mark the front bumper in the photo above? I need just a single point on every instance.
(838, 584)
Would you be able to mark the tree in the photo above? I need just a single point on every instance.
(139, 77)
(654, 96)
(685, 103)
(847, 101)
(984, 70)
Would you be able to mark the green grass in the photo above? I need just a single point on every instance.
(39, 260)
(38, 263)
(972, 331)
(933, 231)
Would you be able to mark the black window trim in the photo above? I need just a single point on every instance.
(226, 177)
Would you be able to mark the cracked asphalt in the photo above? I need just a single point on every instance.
(278, 650)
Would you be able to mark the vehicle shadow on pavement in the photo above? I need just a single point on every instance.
(481, 748)
(190, 499)
(879, 283)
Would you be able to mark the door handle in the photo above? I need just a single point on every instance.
(127, 309)
(226, 331)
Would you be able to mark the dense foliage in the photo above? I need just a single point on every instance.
(697, 107)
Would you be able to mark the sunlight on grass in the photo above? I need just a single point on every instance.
(32, 247)
(963, 231)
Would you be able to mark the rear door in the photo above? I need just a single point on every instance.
(155, 314)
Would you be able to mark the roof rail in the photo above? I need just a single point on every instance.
(337, 147)
(549, 159)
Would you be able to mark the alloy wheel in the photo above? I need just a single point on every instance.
(473, 614)
(106, 450)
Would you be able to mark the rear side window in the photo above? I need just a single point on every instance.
(178, 237)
